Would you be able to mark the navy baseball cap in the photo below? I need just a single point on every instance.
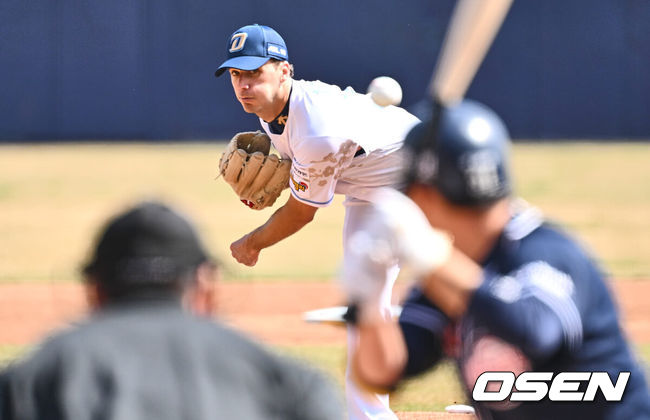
(252, 46)
(148, 245)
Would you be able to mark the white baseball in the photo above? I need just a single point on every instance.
(385, 91)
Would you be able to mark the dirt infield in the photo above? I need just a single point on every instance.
(270, 312)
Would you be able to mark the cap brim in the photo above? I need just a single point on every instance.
(242, 63)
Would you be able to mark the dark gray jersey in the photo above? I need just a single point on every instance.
(157, 362)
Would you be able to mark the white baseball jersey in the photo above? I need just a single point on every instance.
(324, 130)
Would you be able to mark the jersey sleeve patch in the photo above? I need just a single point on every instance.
(317, 166)
(300, 184)
(299, 179)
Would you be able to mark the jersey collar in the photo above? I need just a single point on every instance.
(523, 221)
(277, 125)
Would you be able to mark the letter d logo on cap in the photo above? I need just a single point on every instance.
(238, 41)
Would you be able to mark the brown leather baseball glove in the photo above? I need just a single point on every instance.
(256, 176)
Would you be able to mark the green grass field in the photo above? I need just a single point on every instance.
(430, 392)
(53, 198)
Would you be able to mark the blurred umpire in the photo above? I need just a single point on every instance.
(499, 288)
(149, 350)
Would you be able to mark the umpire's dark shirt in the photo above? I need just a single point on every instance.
(154, 361)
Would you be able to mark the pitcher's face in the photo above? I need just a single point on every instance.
(258, 90)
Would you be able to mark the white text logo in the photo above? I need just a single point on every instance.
(534, 386)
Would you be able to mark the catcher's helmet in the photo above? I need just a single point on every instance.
(462, 152)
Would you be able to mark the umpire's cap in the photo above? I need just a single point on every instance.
(150, 246)
(462, 151)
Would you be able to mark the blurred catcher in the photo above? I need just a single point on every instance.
(149, 351)
(498, 287)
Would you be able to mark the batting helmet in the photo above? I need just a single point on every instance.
(463, 152)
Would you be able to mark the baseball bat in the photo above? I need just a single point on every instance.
(470, 33)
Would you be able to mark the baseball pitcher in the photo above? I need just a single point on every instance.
(331, 141)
